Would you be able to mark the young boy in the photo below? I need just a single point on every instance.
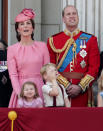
(54, 93)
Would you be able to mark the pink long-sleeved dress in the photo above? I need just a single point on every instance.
(24, 64)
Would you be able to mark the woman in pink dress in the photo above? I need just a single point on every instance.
(26, 57)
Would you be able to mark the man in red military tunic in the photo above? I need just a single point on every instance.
(77, 57)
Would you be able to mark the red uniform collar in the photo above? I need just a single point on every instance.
(72, 34)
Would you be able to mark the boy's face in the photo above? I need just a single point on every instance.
(51, 73)
(29, 91)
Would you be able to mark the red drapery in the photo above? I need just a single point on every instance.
(53, 119)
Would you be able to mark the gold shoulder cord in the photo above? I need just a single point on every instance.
(53, 47)
(66, 46)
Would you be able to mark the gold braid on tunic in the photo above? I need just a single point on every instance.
(66, 48)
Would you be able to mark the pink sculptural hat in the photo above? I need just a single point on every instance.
(24, 15)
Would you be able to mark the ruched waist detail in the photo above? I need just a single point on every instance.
(21, 76)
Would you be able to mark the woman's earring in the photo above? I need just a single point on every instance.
(19, 33)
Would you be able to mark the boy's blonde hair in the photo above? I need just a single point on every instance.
(100, 82)
(29, 83)
(45, 67)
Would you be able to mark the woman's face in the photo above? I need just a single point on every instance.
(25, 28)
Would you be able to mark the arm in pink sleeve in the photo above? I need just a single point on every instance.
(12, 68)
(39, 102)
(20, 103)
(46, 54)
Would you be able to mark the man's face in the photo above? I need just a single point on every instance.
(71, 17)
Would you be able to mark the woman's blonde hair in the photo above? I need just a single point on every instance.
(29, 83)
(100, 82)
(44, 68)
